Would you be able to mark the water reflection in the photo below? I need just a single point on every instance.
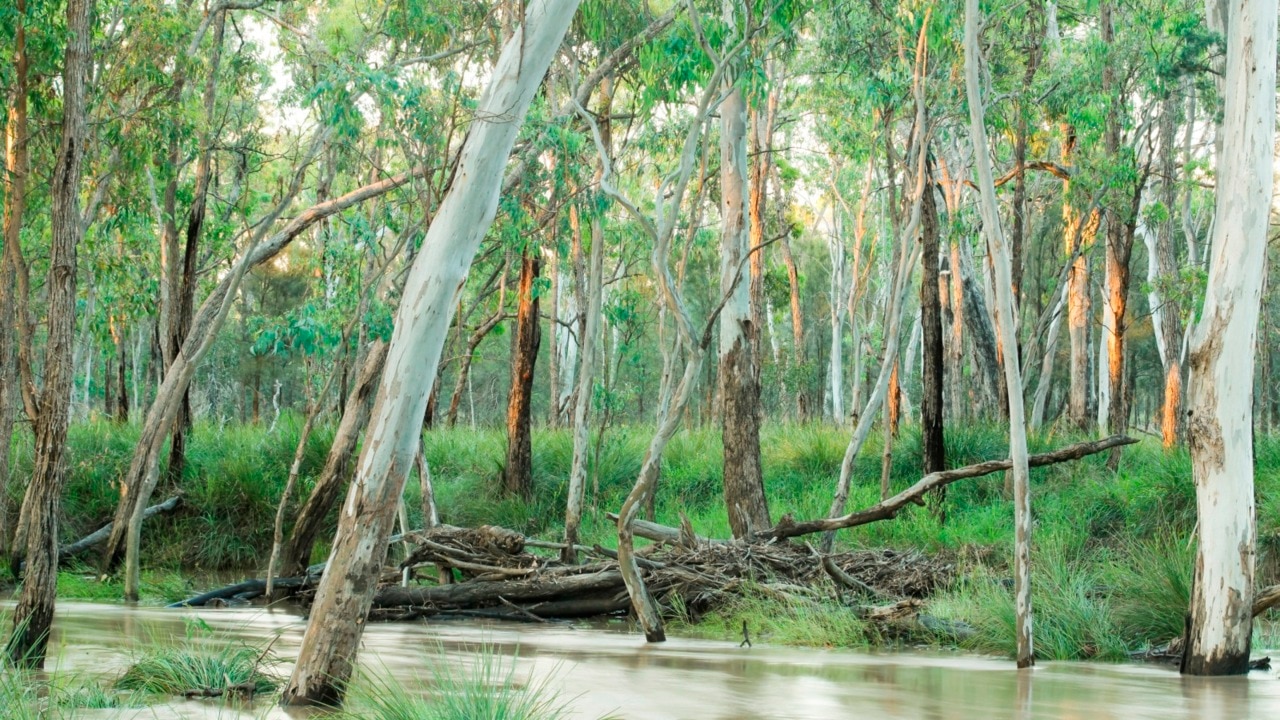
(611, 671)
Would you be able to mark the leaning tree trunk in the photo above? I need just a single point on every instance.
(295, 553)
(139, 480)
(895, 303)
(325, 661)
(1220, 402)
(517, 475)
(739, 380)
(33, 615)
(1004, 316)
(16, 166)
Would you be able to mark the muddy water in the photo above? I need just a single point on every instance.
(612, 672)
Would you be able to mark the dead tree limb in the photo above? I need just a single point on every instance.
(889, 508)
(100, 535)
(1265, 599)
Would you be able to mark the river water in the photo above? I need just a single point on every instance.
(611, 672)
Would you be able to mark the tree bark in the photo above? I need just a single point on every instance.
(16, 166)
(33, 614)
(593, 293)
(739, 376)
(1220, 425)
(931, 420)
(1005, 317)
(1077, 296)
(517, 474)
(1167, 313)
(325, 661)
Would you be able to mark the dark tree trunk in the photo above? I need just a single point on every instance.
(295, 553)
(517, 476)
(33, 614)
(931, 420)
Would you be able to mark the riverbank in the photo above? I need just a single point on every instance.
(1112, 557)
(608, 672)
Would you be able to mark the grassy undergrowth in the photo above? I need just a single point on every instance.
(484, 689)
(1111, 557)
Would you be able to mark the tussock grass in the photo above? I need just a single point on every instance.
(483, 689)
(770, 619)
(197, 663)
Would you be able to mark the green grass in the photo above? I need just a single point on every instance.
(485, 688)
(198, 662)
(811, 622)
(1113, 543)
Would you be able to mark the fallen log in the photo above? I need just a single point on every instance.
(661, 533)
(884, 510)
(477, 594)
(247, 590)
(100, 535)
(1265, 599)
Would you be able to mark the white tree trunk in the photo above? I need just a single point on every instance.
(326, 659)
(1004, 316)
(1220, 402)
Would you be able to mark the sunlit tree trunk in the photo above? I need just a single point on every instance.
(739, 380)
(1005, 318)
(1220, 402)
(517, 474)
(33, 614)
(1077, 299)
(325, 661)
(1166, 311)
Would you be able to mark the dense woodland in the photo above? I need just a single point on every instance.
(368, 219)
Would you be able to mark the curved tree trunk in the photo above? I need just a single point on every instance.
(325, 661)
(1220, 403)
(33, 614)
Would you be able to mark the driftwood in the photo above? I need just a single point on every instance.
(99, 536)
(788, 528)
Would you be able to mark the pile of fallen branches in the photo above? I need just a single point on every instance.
(495, 573)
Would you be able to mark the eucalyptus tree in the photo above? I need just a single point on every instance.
(739, 372)
(324, 663)
(1005, 308)
(1220, 402)
(33, 614)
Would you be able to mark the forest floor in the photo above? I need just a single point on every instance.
(1112, 556)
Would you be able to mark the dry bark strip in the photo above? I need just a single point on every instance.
(887, 509)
